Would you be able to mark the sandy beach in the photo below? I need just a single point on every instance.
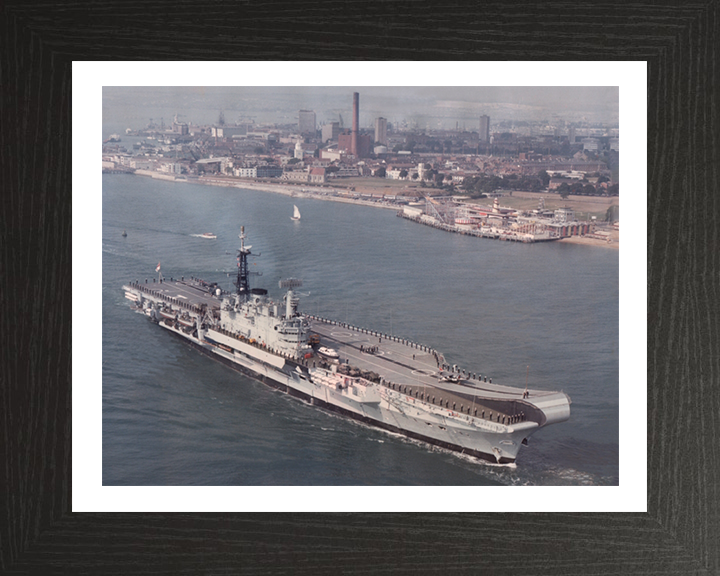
(613, 243)
(300, 191)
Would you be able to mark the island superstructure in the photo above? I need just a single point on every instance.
(382, 380)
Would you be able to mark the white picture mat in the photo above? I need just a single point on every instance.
(88, 493)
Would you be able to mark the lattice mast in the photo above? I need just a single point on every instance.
(242, 283)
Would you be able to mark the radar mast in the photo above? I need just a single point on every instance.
(242, 283)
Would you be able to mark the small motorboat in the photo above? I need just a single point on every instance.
(124, 234)
(328, 352)
(208, 235)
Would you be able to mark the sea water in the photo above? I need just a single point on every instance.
(546, 313)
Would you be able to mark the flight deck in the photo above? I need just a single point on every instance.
(380, 379)
(415, 369)
(412, 368)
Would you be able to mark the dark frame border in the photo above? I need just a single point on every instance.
(678, 535)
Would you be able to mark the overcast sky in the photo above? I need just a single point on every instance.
(426, 106)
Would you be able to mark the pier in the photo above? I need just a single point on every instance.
(494, 233)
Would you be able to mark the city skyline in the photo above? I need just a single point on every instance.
(416, 107)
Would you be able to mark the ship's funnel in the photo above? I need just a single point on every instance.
(290, 301)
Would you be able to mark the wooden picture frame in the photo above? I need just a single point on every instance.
(679, 533)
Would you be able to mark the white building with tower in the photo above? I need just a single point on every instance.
(299, 151)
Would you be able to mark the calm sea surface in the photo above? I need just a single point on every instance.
(172, 416)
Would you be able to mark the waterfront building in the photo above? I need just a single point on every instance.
(295, 175)
(245, 172)
(269, 171)
(564, 215)
(141, 164)
(171, 167)
(218, 164)
(317, 175)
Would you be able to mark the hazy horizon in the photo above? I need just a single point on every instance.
(424, 107)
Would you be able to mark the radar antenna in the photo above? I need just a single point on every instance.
(242, 283)
(290, 283)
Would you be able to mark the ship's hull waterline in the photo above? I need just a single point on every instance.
(283, 383)
(379, 380)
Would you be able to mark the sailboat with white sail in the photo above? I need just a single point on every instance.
(296, 213)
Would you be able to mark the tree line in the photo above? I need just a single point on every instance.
(476, 186)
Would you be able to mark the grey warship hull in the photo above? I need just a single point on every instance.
(322, 404)
(380, 380)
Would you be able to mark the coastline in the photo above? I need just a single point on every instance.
(294, 191)
(585, 241)
(297, 191)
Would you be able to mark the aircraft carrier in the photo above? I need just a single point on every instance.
(379, 379)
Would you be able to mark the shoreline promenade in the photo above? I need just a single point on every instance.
(329, 194)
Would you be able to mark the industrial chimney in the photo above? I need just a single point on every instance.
(355, 122)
